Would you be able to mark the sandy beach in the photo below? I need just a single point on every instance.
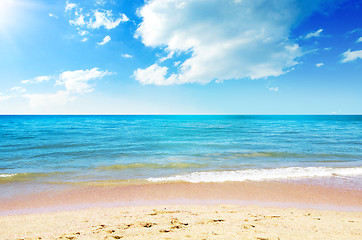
(185, 222)
(180, 119)
(115, 194)
(244, 210)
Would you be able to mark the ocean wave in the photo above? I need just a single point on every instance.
(171, 165)
(23, 177)
(262, 174)
(5, 175)
(279, 155)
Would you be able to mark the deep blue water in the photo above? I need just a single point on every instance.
(58, 149)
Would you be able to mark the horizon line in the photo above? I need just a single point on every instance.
(180, 114)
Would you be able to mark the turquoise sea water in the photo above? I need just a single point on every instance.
(43, 150)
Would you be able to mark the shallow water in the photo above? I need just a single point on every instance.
(56, 150)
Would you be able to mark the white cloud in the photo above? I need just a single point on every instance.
(98, 19)
(84, 20)
(79, 21)
(37, 79)
(42, 78)
(79, 81)
(70, 6)
(314, 34)
(18, 89)
(106, 39)
(3, 98)
(83, 33)
(349, 56)
(106, 20)
(42, 100)
(52, 15)
(221, 39)
(75, 83)
(127, 55)
(359, 39)
(319, 64)
(354, 31)
(101, 2)
(274, 89)
(154, 74)
(169, 56)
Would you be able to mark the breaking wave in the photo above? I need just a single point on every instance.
(262, 174)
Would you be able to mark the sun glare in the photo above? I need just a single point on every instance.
(7, 11)
(13, 13)
(5, 7)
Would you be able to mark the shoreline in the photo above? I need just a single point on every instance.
(179, 210)
(264, 193)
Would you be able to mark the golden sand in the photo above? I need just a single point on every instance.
(185, 222)
(159, 214)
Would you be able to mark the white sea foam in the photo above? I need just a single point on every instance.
(4, 175)
(262, 174)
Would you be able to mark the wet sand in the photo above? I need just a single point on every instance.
(277, 194)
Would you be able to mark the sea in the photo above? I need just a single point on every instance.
(38, 153)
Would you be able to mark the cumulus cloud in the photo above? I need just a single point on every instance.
(79, 81)
(87, 20)
(154, 74)
(106, 39)
(350, 56)
(79, 21)
(359, 39)
(42, 78)
(220, 39)
(74, 83)
(314, 34)
(83, 33)
(37, 79)
(97, 19)
(126, 55)
(69, 6)
(106, 20)
(319, 64)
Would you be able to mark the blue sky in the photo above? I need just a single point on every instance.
(180, 57)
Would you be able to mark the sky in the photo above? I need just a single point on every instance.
(181, 57)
